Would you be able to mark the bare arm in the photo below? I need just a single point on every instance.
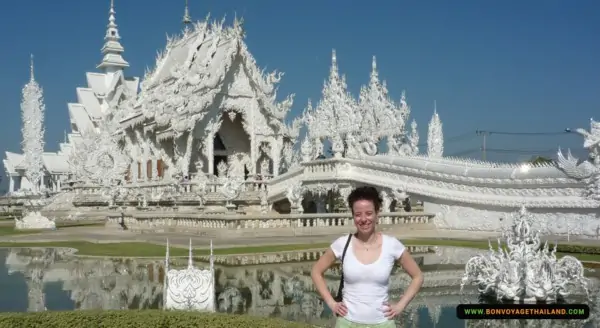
(412, 268)
(317, 275)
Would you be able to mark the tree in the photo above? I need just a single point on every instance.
(538, 160)
(32, 112)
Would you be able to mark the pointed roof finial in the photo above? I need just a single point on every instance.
(374, 64)
(435, 106)
(31, 74)
(187, 19)
(112, 49)
(333, 58)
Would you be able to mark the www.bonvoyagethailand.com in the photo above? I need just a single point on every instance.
(523, 311)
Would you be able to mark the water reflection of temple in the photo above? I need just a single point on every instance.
(265, 290)
(284, 291)
(92, 283)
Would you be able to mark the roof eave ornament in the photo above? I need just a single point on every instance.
(238, 25)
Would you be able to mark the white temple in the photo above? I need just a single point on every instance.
(204, 133)
(206, 102)
(206, 86)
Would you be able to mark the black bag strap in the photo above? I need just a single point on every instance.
(338, 297)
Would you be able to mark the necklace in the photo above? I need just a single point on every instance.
(367, 245)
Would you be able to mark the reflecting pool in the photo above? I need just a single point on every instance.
(37, 279)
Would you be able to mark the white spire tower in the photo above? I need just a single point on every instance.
(32, 111)
(187, 19)
(112, 49)
(435, 137)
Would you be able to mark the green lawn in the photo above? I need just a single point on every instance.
(485, 245)
(141, 249)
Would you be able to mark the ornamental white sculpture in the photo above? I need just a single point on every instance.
(523, 270)
(435, 136)
(355, 128)
(295, 195)
(588, 171)
(99, 158)
(189, 288)
(34, 220)
(306, 150)
(32, 112)
(263, 196)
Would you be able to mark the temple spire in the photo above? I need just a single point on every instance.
(31, 70)
(187, 19)
(374, 74)
(333, 59)
(112, 49)
(374, 64)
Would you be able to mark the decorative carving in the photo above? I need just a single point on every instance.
(524, 271)
(237, 162)
(222, 169)
(387, 201)
(34, 220)
(337, 146)
(295, 195)
(201, 188)
(190, 288)
(231, 188)
(588, 171)
(353, 148)
(413, 139)
(98, 158)
(264, 167)
(435, 137)
(289, 157)
(32, 112)
(232, 115)
(264, 204)
(369, 146)
(399, 195)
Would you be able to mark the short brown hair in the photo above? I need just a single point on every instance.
(365, 193)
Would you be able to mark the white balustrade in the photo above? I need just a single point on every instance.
(253, 225)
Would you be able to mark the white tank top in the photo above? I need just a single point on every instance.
(366, 286)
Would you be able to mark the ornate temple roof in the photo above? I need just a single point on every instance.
(208, 66)
(54, 163)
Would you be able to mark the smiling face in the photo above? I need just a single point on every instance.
(365, 216)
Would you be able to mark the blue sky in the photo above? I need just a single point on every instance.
(516, 66)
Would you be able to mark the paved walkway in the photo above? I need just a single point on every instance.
(101, 235)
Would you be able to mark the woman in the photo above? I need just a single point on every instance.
(367, 267)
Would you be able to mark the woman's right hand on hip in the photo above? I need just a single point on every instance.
(339, 308)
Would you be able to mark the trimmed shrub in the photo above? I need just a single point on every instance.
(577, 249)
(137, 319)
